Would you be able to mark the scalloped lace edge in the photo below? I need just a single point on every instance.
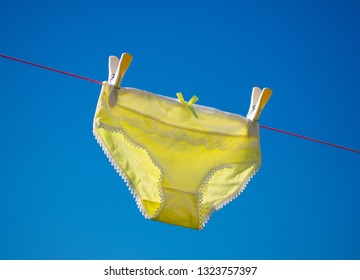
(125, 178)
(204, 220)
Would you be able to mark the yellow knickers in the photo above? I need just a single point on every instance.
(180, 168)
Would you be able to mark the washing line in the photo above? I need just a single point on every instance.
(262, 126)
(50, 68)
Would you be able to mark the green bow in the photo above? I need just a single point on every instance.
(188, 104)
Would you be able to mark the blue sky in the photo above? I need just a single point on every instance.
(61, 199)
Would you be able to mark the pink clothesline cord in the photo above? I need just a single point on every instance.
(98, 82)
(50, 69)
(309, 138)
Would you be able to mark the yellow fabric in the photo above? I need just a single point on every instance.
(179, 168)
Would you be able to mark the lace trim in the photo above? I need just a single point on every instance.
(205, 219)
(123, 175)
(209, 140)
